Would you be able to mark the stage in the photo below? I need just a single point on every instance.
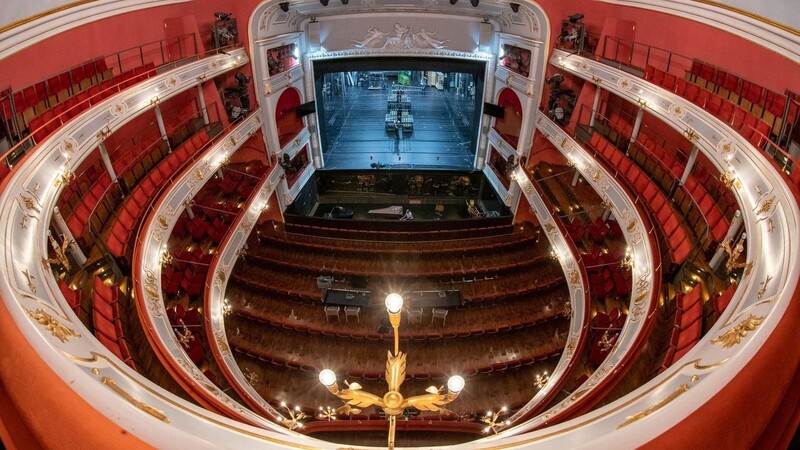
(437, 128)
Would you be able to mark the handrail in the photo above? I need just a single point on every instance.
(638, 200)
(29, 143)
(683, 70)
(115, 57)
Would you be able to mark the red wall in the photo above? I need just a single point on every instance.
(117, 33)
(686, 37)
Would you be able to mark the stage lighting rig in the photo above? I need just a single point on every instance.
(576, 17)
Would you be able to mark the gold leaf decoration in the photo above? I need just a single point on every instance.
(108, 382)
(735, 335)
(666, 400)
(56, 328)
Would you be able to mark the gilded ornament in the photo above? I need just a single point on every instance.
(108, 382)
(631, 226)
(29, 278)
(766, 205)
(666, 400)
(763, 289)
(738, 332)
(597, 175)
(222, 343)
(56, 328)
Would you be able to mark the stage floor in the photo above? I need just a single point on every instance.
(420, 212)
(357, 135)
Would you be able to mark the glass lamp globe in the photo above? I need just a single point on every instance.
(394, 302)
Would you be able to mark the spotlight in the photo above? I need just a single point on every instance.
(576, 17)
(324, 2)
(514, 7)
(222, 15)
(474, 3)
(284, 6)
(453, 2)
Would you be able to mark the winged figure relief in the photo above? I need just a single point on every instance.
(374, 39)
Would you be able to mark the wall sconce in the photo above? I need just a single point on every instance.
(493, 422)
(327, 413)
(729, 179)
(295, 416)
(251, 377)
(541, 380)
(226, 308)
(627, 260)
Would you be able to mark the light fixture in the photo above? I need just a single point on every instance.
(474, 3)
(453, 2)
(627, 260)
(324, 2)
(344, 2)
(284, 6)
(514, 7)
(493, 422)
(541, 380)
(392, 403)
(295, 416)
(394, 302)
(226, 308)
(251, 377)
(327, 413)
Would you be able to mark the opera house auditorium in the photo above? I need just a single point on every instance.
(451, 224)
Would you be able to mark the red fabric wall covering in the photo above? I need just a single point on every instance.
(54, 415)
(748, 402)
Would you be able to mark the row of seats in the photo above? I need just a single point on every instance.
(382, 235)
(649, 155)
(755, 130)
(187, 325)
(269, 234)
(84, 210)
(45, 123)
(118, 239)
(58, 87)
(737, 89)
(257, 352)
(107, 321)
(607, 282)
(414, 333)
(605, 331)
(688, 326)
(678, 245)
(597, 231)
(376, 264)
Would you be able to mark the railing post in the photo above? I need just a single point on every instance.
(716, 260)
(595, 105)
(161, 128)
(637, 125)
(689, 164)
(74, 248)
(107, 161)
(141, 55)
(161, 47)
(202, 98)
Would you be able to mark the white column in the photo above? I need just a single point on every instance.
(160, 121)
(190, 212)
(595, 105)
(637, 125)
(202, 98)
(575, 177)
(107, 161)
(719, 255)
(74, 248)
(690, 164)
